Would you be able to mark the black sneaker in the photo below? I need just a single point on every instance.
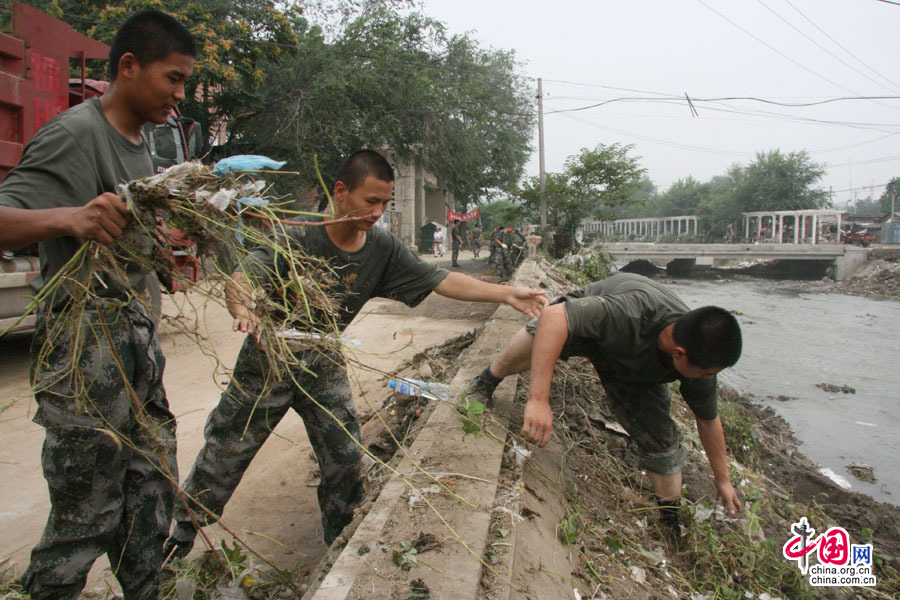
(669, 519)
(482, 388)
(173, 548)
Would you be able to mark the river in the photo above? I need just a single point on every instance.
(795, 339)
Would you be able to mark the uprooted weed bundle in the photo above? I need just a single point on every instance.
(220, 219)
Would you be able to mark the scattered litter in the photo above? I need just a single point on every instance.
(613, 426)
(227, 592)
(185, 588)
(415, 496)
(832, 388)
(515, 516)
(426, 542)
(638, 574)
(841, 481)
(418, 590)
(862, 472)
(521, 454)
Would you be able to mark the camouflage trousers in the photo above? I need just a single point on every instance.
(504, 263)
(237, 428)
(110, 439)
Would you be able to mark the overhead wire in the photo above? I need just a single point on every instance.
(823, 48)
(839, 45)
(776, 50)
(658, 140)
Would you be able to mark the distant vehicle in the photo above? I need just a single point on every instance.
(859, 237)
(36, 58)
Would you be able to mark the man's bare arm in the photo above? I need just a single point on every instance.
(551, 336)
(463, 287)
(712, 435)
(103, 219)
(239, 300)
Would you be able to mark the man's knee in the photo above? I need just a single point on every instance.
(666, 462)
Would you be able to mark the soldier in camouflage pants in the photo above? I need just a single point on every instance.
(243, 420)
(110, 467)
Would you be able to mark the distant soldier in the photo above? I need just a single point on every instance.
(507, 241)
(456, 243)
(516, 247)
(495, 246)
(476, 241)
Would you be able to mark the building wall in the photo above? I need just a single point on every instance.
(418, 198)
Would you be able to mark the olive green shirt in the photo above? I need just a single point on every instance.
(616, 323)
(383, 267)
(74, 158)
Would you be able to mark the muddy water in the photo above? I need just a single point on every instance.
(794, 340)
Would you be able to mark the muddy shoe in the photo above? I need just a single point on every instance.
(669, 520)
(173, 548)
(482, 388)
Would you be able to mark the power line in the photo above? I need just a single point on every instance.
(759, 113)
(659, 141)
(830, 53)
(863, 187)
(839, 45)
(776, 50)
(872, 161)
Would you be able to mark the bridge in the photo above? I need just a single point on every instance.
(844, 258)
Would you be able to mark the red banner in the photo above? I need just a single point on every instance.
(455, 216)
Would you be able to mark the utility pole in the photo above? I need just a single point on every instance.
(543, 174)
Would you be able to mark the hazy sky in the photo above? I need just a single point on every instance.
(651, 52)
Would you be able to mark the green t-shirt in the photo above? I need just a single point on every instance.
(617, 322)
(74, 158)
(384, 267)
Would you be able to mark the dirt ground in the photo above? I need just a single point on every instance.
(879, 278)
(274, 509)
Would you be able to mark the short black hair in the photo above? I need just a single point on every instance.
(150, 35)
(711, 336)
(355, 168)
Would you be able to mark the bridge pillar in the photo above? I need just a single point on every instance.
(853, 258)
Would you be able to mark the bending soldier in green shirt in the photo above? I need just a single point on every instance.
(639, 336)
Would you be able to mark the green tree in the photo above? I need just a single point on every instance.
(776, 181)
(719, 207)
(325, 78)
(867, 207)
(502, 212)
(641, 202)
(592, 184)
(394, 80)
(891, 189)
(234, 38)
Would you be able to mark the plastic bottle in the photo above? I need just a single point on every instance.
(414, 387)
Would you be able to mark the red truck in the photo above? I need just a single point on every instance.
(36, 59)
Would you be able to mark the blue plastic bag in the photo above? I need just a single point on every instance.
(247, 162)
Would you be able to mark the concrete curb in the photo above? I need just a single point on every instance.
(364, 568)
